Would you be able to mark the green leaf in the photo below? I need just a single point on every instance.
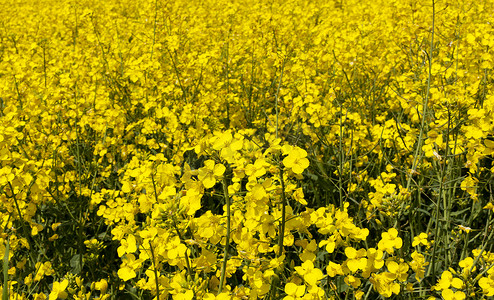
(75, 263)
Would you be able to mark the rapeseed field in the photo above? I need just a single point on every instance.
(213, 149)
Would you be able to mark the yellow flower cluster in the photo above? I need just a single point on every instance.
(246, 149)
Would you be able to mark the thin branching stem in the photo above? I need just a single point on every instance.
(155, 269)
(283, 214)
(227, 238)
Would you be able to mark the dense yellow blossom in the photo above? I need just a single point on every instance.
(246, 149)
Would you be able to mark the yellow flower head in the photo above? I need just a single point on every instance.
(210, 172)
(58, 290)
(390, 241)
(296, 160)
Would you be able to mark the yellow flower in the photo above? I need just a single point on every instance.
(467, 264)
(296, 159)
(450, 295)
(447, 280)
(359, 294)
(40, 296)
(298, 195)
(421, 239)
(469, 184)
(418, 265)
(310, 274)
(127, 246)
(128, 267)
(487, 285)
(464, 228)
(257, 169)
(210, 172)
(384, 285)
(58, 290)
(294, 291)
(399, 270)
(356, 259)
(334, 269)
(490, 206)
(330, 244)
(353, 281)
(489, 147)
(187, 295)
(101, 285)
(390, 241)
(44, 269)
(375, 261)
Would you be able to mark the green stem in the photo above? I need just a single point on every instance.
(44, 61)
(227, 239)
(341, 158)
(277, 96)
(5, 294)
(177, 73)
(419, 144)
(23, 224)
(82, 217)
(426, 102)
(487, 242)
(283, 214)
(189, 270)
(155, 272)
(154, 29)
